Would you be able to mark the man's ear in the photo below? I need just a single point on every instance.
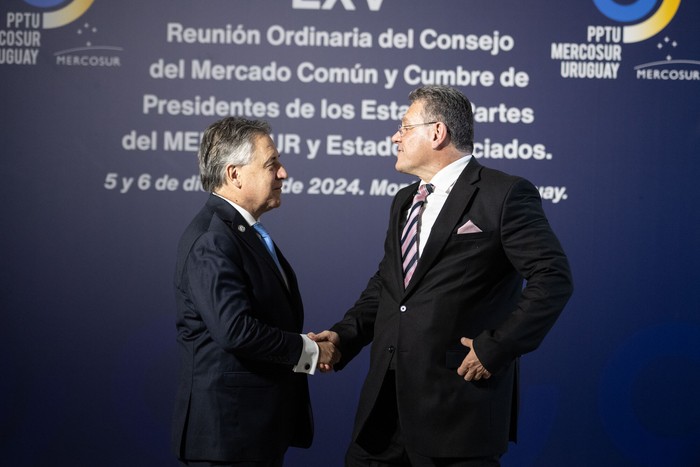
(233, 175)
(440, 136)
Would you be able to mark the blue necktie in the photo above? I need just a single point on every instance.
(269, 245)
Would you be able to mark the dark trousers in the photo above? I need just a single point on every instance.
(276, 462)
(380, 443)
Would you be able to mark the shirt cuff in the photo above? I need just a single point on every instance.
(309, 357)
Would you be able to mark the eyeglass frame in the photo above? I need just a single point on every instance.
(404, 128)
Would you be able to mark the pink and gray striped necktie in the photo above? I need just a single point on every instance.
(409, 236)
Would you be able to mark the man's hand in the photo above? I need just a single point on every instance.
(471, 368)
(328, 342)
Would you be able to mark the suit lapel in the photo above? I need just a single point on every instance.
(240, 228)
(403, 204)
(292, 285)
(453, 210)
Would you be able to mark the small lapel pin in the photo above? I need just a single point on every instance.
(241, 228)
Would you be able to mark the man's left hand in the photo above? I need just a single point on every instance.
(471, 368)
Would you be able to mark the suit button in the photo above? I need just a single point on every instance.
(403, 308)
(391, 349)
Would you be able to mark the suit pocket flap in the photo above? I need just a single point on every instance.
(461, 237)
(245, 379)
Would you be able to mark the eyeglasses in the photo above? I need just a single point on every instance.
(404, 128)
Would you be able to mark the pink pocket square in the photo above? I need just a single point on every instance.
(468, 227)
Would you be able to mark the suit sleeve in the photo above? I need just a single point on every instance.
(221, 291)
(535, 252)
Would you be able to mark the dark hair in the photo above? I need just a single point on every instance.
(448, 105)
(225, 142)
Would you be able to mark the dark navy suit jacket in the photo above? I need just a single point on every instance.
(238, 327)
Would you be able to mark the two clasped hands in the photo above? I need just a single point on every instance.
(328, 342)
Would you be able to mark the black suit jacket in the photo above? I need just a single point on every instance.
(238, 331)
(464, 285)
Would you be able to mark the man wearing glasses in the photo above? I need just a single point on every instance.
(446, 313)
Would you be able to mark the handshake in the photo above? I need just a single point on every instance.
(328, 344)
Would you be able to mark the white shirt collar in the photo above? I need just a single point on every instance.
(246, 215)
(444, 180)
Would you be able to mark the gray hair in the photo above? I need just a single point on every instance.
(227, 142)
(448, 105)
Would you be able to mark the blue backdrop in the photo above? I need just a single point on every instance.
(102, 103)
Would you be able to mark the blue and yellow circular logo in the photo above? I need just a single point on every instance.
(64, 15)
(635, 12)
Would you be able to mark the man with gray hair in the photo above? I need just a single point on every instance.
(243, 395)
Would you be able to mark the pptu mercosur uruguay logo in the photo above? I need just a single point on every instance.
(22, 33)
(600, 56)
